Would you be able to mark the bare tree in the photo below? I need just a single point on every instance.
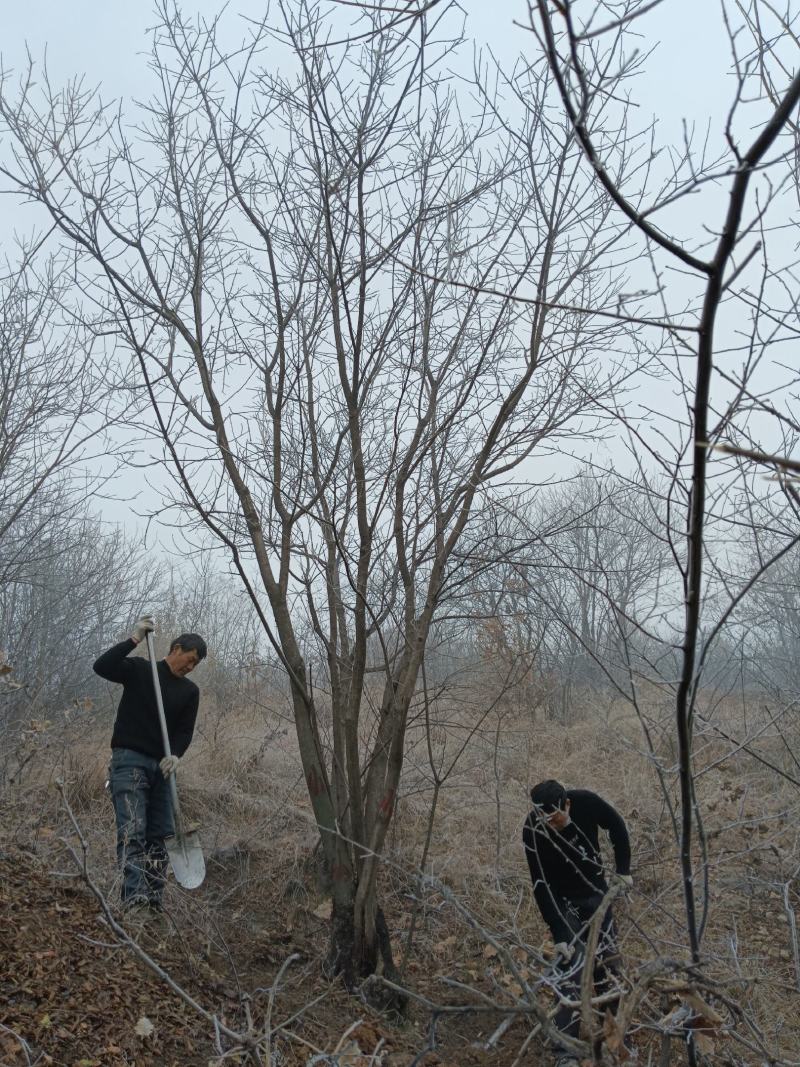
(53, 412)
(55, 452)
(78, 568)
(739, 304)
(316, 273)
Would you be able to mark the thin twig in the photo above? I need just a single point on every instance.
(124, 936)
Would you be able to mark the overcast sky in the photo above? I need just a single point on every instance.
(686, 79)
(106, 39)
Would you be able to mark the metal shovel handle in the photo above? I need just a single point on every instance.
(173, 788)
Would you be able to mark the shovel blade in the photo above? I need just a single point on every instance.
(186, 857)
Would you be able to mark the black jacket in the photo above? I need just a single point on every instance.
(136, 725)
(566, 865)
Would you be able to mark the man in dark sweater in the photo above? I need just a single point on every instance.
(140, 770)
(561, 839)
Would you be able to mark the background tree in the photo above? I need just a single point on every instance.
(53, 412)
(755, 172)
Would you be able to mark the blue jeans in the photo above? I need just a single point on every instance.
(143, 811)
(577, 914)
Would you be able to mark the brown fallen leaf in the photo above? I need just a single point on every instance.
(351, 1056)
(323, 911)
(144, 1028)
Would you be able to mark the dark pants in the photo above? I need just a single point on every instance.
(143, 811)
(577, 913)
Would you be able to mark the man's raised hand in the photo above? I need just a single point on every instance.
(143, 626)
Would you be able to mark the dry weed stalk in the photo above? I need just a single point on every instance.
(254, 1047)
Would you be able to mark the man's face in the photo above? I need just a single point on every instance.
(181, 662)
(554, 818)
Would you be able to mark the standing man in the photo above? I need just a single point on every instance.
(561, 839)
(139, 768)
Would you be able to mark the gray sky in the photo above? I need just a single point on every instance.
(686, 79)
(106, 39)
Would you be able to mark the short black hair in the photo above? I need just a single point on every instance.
(549, 795)
(190, 643)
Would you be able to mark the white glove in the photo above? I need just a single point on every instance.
(562, 951)
(625, 880)
(143, 626)
(169, 765)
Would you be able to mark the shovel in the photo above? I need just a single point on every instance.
(184, 849)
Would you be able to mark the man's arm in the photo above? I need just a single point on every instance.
(541, 891)
(185, 731)
(113, 665)
(610, 819)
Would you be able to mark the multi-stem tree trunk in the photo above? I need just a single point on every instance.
(316, 272)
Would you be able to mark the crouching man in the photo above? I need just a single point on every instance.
(561, 839)
(140, 770)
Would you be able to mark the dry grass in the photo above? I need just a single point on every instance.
(243, 782)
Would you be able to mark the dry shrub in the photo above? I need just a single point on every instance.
(243, 783)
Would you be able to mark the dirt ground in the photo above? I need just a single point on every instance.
(74, 993)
